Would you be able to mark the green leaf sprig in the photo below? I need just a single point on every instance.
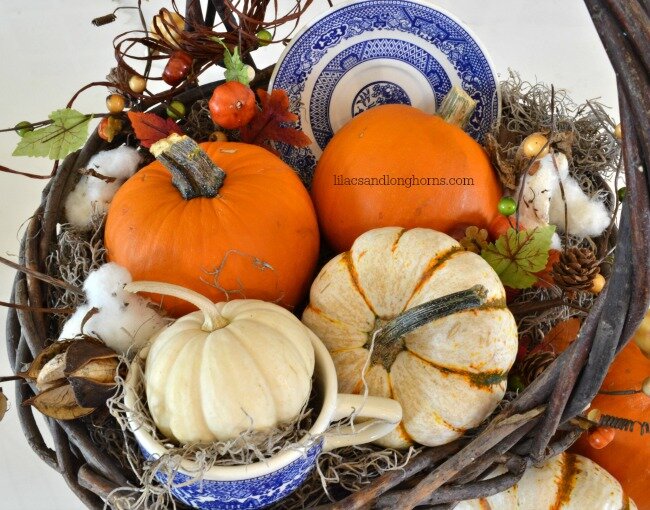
(236, 69)
(67, 133)
(517, 255)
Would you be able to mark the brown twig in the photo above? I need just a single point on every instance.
(41, 276)
(57, 311)
(500, 428)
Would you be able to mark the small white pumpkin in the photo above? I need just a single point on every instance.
(227, 368)
(449, 374)
(564, 482)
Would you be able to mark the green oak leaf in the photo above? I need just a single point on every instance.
(517, 255)
(66, 134)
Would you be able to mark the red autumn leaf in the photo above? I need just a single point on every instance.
(149, 127)
(545, 276)
(562, 335)
(270, 123)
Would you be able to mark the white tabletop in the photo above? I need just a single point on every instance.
(50, 49)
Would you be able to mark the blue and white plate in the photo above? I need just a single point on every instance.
(371, 52)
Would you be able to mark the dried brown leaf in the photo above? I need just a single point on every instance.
(59, 403)
(563, 142)
(506, 170)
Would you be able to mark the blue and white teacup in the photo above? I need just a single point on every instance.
(263, 483)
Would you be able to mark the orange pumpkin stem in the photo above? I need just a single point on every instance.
(194, 174)
(457, 107)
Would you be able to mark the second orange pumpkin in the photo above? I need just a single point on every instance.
(403, 144)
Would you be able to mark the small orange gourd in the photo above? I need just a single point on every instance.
(240, 226)
(426, 173)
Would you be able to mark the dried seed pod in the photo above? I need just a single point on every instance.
(75, 378)
(53, 373)
(59, 403)
(3, 404)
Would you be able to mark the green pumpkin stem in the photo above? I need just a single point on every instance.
(457, 107)
(389, 340)
(194, 174)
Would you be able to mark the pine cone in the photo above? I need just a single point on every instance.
(534, 364)
(576, 269)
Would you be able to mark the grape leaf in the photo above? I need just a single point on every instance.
(517, 255)
(270, 123)
(149, 127)
(67, 133)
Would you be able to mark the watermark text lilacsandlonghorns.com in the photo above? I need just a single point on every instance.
(406, 182)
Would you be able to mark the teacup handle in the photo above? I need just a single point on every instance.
(385, 414)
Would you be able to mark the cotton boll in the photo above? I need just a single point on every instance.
(586, 216)
(124, 324)
(123, 320)
(120, 163)
(72, 327)
(101, 192)
(92, 195)
(78, 207)
(542, 202)
(107, 281)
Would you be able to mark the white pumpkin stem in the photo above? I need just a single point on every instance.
(194, 174)
(389, 343)
(213, 320)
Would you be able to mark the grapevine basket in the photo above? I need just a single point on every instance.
(527, 430)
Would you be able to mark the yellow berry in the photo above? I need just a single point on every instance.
(115, 103)
(137, 84)
(218, 136)
(535, 146)
(250, 73)
(618, 134)
(598, 284)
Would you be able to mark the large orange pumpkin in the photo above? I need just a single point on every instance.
(257, 238)
(366, 176)
(627, 456)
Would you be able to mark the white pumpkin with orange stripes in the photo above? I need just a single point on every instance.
(450, 373)
(564, 482)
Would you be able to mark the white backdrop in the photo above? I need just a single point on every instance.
(50, 49)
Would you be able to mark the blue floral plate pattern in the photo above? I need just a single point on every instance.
(372, 52)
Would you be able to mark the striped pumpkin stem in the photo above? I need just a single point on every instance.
(389, 340)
